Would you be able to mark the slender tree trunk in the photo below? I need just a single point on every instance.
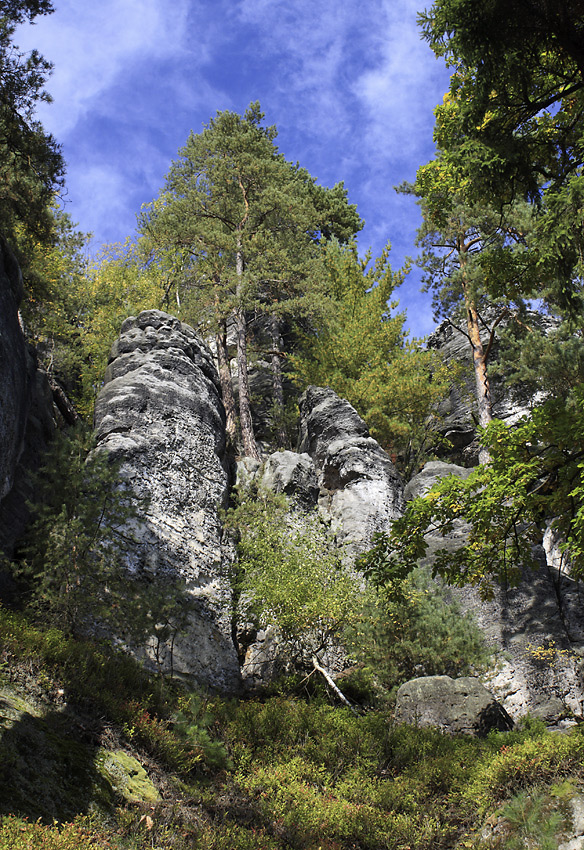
(250, 448)
(277, 385)
(479, 359)
(328, 679)
(226, 385)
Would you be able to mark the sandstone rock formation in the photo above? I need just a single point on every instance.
(292, 474)
(457, 412)
(160, 413)
(535, 629)
(361, 492)
(429, 475)
(455, 706)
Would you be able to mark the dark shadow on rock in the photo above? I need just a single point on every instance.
(493, 717)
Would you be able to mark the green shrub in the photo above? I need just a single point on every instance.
(416, 632)
(19, 834)
(539, 760)
(290, 574)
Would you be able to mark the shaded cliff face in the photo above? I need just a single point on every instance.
(161, 415)
(28, 417)
(536, 629)
(13, 370)
(458, 410)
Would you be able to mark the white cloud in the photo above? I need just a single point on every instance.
(93, 44)
(400, 91)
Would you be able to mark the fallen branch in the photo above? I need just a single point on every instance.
(331, 683)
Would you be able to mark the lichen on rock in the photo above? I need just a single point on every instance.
(126, 776)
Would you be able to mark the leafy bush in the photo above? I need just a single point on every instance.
(539, 760)
(107, 682)
(290, 573)
(416, 632)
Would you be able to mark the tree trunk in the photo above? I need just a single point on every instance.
(328, 679)
(277, 385)
(250, 448)
(479, 359)
(226, 385)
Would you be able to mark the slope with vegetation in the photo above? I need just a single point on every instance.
(290, 768)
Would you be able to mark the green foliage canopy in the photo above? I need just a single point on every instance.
(30, 159)
(359, 348)
(534, 477)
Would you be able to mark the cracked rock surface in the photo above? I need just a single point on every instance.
(361, 491)
(160, 414)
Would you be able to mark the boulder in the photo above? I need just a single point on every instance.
(161, 416)
(455, 706)
(361, 491)
(292, 474)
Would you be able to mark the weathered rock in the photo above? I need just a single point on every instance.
(160, 413)
(292, 474)
(431, 474)
(247, 471)
(455, 706)
(535, 629)
(457, 412)
(361, 491)
(576, 839)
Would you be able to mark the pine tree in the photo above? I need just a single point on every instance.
(239, 225)
(358, 346)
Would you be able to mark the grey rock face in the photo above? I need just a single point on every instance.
(455, 706)
(458, 410)
(161, 415)
(431, 473)
(292, 474)
(535, 629)
(361, 492)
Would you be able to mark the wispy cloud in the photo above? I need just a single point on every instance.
(93, 44)
(349, 85)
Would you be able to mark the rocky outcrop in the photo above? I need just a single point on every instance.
(429, 475)
(28, 416)
(361, 492)
(341, 470)
(457, 411)
(536, 629)
(160, 414)
(292, 474)
(455, 706)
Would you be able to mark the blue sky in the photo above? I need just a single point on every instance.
(349, 85)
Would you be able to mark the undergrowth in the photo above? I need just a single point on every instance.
(272, 774)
